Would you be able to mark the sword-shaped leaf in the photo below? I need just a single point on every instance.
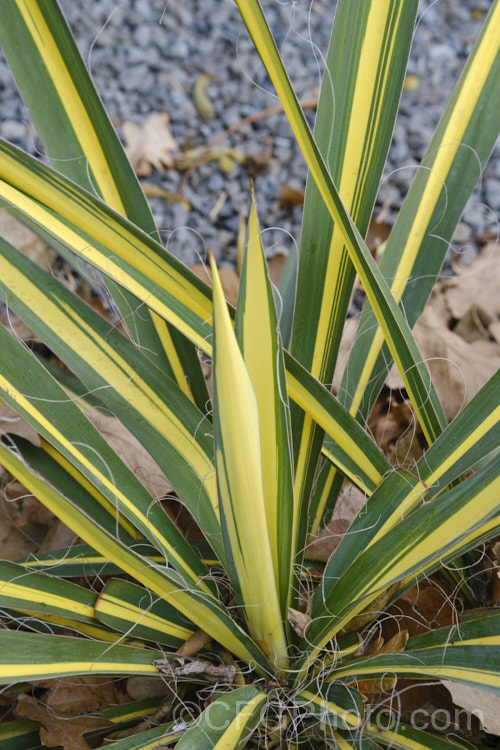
(418, 243)
(357, 108)
(259, 339)
(36, 396)
(471, 436)
(334, 704)
(239, 480)
(140, 264)
(149, 740)
(228, 722)
(477, 665)
(39, 592)
(138, 613)
(59, 656)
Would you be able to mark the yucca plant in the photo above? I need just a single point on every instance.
(259, 466)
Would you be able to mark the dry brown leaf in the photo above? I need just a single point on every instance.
(225, 155)
(229, 279)
(276, 265)
(144, 688)
(458, 338)
(350, 503)
(481, 703)
(321, 547)
(196, 641)
(150, 145)
(82, 694)
(59, 730)
(378, 232)
(17, 544)
(290, 196)
(424, 607)
(23, 239)
(350, 328)
(394, 645)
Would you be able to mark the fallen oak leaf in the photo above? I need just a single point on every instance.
(150, 145)
(470, 698)
(58, 730)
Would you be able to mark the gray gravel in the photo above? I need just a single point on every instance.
(146, 55)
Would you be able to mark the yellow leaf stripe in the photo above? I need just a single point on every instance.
(88, 487)
(258, 335)
(120, 247)
(18, 672)
(302, 397)
(26, 593)
(412, 555)
(123, 610)
(395, 327)
(368, 89)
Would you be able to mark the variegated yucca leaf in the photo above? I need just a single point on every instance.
(59, 656)
(472, 435)
(81, 143)
(239, 479)
(227, 722)
(259, 339)
(393, 734)
(151, 739)
(467, 652)
(134, 611)
(417, 245)
(36, 396)
(359, 97)
(255, 480)
(335, 704)
(38, 592)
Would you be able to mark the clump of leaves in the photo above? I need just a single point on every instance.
(256, 644)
